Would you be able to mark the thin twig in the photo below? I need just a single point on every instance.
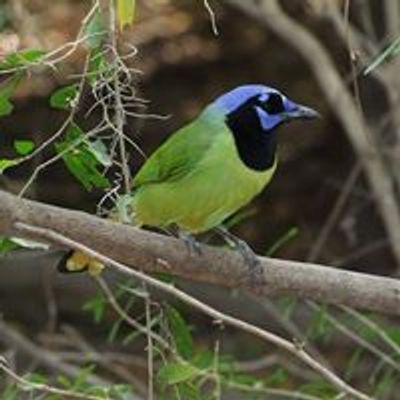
(129, 320)
(270, 13)
(26, 385)
(102, 359)
(374, 328)
(15, 339)
(334, 214)
(346, 331)
(213, 20)
(150, 349)
(293, 348)
(119, 107)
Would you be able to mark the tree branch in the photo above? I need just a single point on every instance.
(153, 252)
(295, 348)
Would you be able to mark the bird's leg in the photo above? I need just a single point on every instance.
(244, 249)
(168, 231)
(192, 244)
(249, 257)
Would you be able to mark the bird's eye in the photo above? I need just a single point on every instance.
(274, 104)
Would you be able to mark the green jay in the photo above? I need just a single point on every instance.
(211, 167)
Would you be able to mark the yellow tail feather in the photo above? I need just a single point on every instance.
(79, 262)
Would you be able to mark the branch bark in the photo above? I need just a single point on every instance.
(153, 252)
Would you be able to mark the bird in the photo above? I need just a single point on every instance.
(210, 168)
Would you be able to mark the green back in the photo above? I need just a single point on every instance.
(181, 152)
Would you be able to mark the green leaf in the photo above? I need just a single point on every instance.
(35, 377)
(394, 333)
(64, 97)
(79, 382)
(6, 106)
(11, 391)
(23, 146)
(97, 65)
(353, 363)
(99, 150)
(191, 391)
(130, 338)
(6, 163)
(95, 31)
(64, 381)
(181, 333)
(79, 159)
(386, 384)
(320, 327)
(31, 55)
(6, 245)
(126, 12)
(7, 89)
(276, 378)
(173, 373)
(22, 58)
(114, 330)
(204, 360)
(391, 50)
(285, 238)
(166, 277)
(319, 388)
(120, 392)
(97, 306)
(246, 379)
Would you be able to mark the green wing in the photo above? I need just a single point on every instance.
(179, 155)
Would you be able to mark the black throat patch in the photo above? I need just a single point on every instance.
(256, 147)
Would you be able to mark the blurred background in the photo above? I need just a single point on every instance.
(320, 206)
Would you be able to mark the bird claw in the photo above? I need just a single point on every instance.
(193, 246)
(254, 275)
(249, 257)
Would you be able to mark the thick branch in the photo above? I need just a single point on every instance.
(152, 252)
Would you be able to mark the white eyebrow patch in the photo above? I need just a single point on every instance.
(265, 95)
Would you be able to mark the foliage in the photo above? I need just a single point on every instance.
(391, 51)
(7, 89)
(83, 158)
(185, 367)
(23, 147)
(77, 385)
(126, 12)
(65, 97)
(6, 245)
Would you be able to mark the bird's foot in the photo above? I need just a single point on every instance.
(254, 275)
(193, 245)
(249, 257)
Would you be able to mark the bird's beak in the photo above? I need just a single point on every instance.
(302, 112)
